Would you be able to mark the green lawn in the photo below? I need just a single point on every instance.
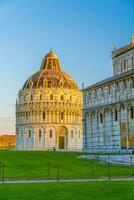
(22, 164)
(63, 191)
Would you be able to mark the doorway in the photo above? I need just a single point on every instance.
(62, 138)
(61, 142)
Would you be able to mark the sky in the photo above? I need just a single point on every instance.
(81, 32)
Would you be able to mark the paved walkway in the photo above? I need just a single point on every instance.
(12, 181)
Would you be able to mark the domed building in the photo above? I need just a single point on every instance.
(49, 110)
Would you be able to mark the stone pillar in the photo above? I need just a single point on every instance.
(104, 131)
(84, 131)
(34, 139)
(91, 132)
(127, 128)
(112, 126)
(98, 131)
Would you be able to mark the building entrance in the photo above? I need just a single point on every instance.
(61, 142)
(62, 138)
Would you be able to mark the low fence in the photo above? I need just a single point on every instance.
(91, 169)
(2, 172)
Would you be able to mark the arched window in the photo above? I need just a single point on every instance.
(49, 66)
(55, 116)
(44, 115)
(95, 93)
(51, 96)
(72, 134)
(39, 134)
(40, 96)
(21, 133)
(79, 134)
(102, 92)
(89, 95)
(132, 82)
(124, 84)
(51, 116)
(117, 86)
(62, 115)
(131, 112)
(116, 115)
(51, 133)
(101, 118)
(133, 62)
(109, 89)
(29, 133)
(31, 97)
(125, 64)
(61, 98)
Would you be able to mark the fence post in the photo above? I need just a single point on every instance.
(3, 172)
(58, 172)
(131, 158)
(48, 170)
(92, 167)
(109, 172)
(0, 171)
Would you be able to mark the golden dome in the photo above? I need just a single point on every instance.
(50, 75)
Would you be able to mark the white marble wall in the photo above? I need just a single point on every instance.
(30, 106)
(114, 92)
(45, 142)
(105, 99)
(123, 63)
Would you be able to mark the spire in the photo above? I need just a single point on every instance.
(51, 50)
(51, 54)
(51, 61)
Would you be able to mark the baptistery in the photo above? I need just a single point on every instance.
(49, 110)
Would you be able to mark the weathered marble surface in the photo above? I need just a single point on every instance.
(108, 107)
(114, 159)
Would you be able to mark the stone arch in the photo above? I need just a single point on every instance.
(122, 106)
(53, 129)
(101, 115)
(79, 132)
(40, 128)
(106, 110)
(29, 137)
(27, 129)
(39, 137)
(72, 130)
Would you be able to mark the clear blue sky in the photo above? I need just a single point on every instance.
(81, 32)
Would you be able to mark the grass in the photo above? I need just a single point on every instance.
(74, 191)
(21, 164)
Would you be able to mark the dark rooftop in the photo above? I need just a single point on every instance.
(111, 79)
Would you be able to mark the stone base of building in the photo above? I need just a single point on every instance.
(108, 150)
(49, 137)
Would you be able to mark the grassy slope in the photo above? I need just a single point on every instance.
(74, 191)
(35, 165)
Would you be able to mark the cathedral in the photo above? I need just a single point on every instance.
(108, 106)
(49, 110)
